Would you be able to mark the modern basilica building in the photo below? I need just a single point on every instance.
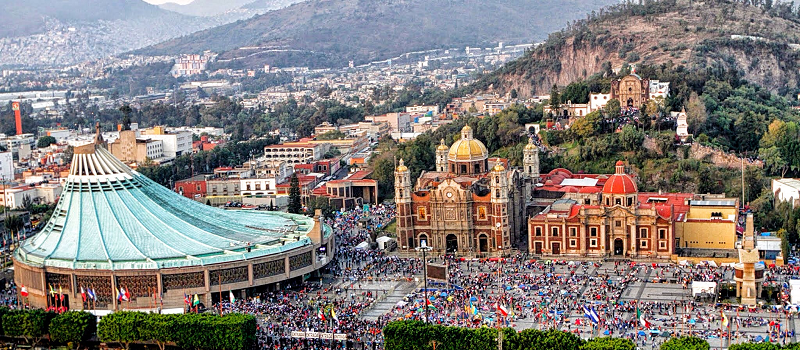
(114, 229)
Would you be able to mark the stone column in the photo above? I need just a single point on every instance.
(603, 238)
(564, 233)
(546, 238)
(582, 242)
(632, 229)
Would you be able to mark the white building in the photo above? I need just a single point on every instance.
(13, 143)
(659, 89)
(423, 109)
(598, 101)
(49, 192)
(61, 135)
(174, 143)
(14, 197)
(6, 166)
(787, 190)
(258, 186)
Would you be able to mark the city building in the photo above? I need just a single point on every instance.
(786, 190)
(353, 191)
(174, 143)
(191, 64)
(6, 166)
(129, 147)
(605, 215)
(467, 206)
(633, 91)
(398, 122)
(114, 228)
(299, 152)
(434, 110)
(15, 197)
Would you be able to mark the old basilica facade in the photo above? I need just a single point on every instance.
(470, 205)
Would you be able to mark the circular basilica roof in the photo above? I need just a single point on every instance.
(110, 217)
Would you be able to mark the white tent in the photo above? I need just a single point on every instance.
(362, 245)
(794, 291)
(382, 241)
(703, 287)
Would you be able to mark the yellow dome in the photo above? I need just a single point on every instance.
(530, 146)
(498, 167)
(467, 148)
(442, 146)
(401, 167)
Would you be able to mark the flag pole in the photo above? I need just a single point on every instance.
(220, 292)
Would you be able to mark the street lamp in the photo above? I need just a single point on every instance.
(423, 246)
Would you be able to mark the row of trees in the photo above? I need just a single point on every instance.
(70, 328)
(73, 328)
(189, 331)
(416, 335)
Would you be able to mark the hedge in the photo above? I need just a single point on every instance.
(72, 328)
(189, 331)
(416, 335)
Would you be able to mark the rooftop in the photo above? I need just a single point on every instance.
(111, 217)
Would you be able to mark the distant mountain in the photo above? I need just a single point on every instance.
(205, 7)
(321, 33)
(64, 32)
(762, 43)
(22, 18)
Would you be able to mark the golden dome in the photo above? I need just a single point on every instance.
(401, 166)
(442, 146)
(498, 167)
(467, 148)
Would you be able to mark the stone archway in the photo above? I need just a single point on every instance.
(483, 244)
(619, 247)
(451, 243)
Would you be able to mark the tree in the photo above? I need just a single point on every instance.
(514, 93)
(612, 108)
(295, 206)
(160, 328)
(73, 327)
(14, 224)
(587, 126)
(126, 116)
(685, 343)
(45, 141)
(631, 138)
(121, 327)
(608, 343)
(331, 135)
(555, 98)
(32, 325)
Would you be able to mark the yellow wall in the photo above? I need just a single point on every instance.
(707, 234)
(696, 212)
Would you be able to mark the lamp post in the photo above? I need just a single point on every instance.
(423, 246)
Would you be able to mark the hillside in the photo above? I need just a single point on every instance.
(759, 42)
(204, 7)
(332, 32)
(73, 31)
(23, 18)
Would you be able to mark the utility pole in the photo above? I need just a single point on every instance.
(424, 248)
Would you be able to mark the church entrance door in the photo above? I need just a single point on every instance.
(537, 248)
(630, 102)
(556, 248)
(618, 247)
(451, 242)
(483, 244)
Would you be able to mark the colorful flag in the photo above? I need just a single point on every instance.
(127, 295)
(196, 300)
(501, 309)
(186, 299)
(52, 291)
(724, 319)
(119, 294)
(333, 315)
(23, 291)
(91, 293)
(83, 294)
(232, 298)
(640, 316)
(591, 314)
(320, 314)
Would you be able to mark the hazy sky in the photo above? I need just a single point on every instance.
(157, 2)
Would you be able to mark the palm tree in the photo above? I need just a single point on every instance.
(13, 225)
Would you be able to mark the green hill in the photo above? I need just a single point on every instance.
(761, 42)
(332, 32)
